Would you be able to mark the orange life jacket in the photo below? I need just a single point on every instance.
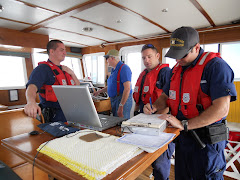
(149, 88)
(61, 78)
(189, 85)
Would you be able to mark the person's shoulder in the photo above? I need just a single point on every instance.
(126, 67)
(217, 61)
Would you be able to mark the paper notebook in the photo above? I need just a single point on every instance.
(144, 120)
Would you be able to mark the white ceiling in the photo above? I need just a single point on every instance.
(65, 19)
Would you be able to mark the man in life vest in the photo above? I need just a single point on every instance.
(41, 80)
(198, 95)
(118, 85)
(149, 86)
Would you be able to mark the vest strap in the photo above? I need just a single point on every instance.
(118, 80)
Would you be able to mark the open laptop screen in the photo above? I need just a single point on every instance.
(77, 104)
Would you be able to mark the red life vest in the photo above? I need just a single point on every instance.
(61, 78)
(191, 93)
(149, 88)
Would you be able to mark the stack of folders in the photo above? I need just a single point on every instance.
(146, 132)
(145, 124)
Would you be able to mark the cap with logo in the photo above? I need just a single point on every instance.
(182, 40)
(112, 52)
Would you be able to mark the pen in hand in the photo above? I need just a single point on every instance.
(150, 101)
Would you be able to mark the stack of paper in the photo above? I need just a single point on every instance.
(92, 159)
(146, 142)
(145, 124)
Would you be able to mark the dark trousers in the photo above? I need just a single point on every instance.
(194, 163)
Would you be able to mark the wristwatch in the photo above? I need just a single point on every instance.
(185, 124)
(120, 104)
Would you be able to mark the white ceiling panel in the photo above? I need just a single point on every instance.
(180, 12)
(18, 11)
(224, 12)
(75, 25)
(56, 5)
(108, 15)
(55, 34)
(12, 25)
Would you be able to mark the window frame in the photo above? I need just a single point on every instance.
(99, 54)
(25, 78)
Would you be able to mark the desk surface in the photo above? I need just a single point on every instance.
(25, 146)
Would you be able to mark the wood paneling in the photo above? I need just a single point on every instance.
(234, 113)
(17, 38)
(12, 123)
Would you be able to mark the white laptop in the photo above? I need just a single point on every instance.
(78, 107)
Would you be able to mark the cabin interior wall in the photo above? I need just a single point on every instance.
(27, 41)
(13, 37)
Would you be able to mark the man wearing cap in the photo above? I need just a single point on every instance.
(118, 85)
(198, 95)
(149, 86)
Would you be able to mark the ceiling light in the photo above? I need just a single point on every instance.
(165, 10)
(119, 21)
(87, 29)
(1, 8)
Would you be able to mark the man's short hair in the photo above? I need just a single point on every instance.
(149, 46)
(53, 45)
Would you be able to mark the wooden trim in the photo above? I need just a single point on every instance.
(104, 27)
(139, 15)
(79, 34)
(83, 72)
(18, 38)
(69, 42)
(204, 13)
(64, 14)
(15, 21)
(35, 6)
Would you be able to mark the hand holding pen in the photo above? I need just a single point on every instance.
(149, 108)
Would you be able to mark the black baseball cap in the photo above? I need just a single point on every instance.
(182, 40)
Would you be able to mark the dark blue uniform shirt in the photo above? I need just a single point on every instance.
(217, 80)
(41, 75)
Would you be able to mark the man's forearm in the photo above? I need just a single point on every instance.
(218, 110)
(126, 91)
(31, 93)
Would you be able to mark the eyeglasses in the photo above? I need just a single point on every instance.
(188, 51)
(146, 46)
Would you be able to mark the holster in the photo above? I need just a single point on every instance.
(48, 114)
(214, 133)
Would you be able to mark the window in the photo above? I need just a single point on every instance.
(167, 60)
(132, 56)
(95, 68)
(13, 72)
(230, 53)
(73, 63)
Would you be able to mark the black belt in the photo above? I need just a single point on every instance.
(213, 133)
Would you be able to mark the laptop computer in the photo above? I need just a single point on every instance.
(78, 107)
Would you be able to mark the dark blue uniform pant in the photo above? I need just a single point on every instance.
(193, 163)
(161, 166)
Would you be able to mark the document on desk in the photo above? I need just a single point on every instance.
(144, 120)
(146, 142)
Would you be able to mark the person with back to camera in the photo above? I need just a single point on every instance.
(198, 95)
(149, 85)
(41, 80)
(118, 85)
